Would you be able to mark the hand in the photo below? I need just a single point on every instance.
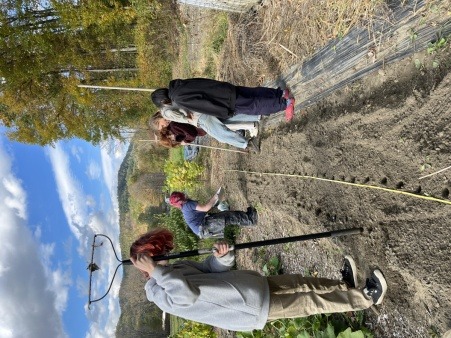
(144, 263)
(221, 249)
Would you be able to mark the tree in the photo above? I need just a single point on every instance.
(46, 52)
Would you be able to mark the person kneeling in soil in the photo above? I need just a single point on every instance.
(208, 292)
(207, 225)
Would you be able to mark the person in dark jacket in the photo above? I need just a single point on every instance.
(222, 99)
(207, 225)
(243, 300)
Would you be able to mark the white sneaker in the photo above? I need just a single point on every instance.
(376, 287)
(254, 131)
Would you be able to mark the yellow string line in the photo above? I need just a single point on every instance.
(347, 183)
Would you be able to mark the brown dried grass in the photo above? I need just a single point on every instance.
(281, 33)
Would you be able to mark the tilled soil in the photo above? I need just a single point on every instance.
(387, 131)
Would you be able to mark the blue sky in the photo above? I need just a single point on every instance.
(53, 200)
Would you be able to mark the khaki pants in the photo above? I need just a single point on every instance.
(294, 296)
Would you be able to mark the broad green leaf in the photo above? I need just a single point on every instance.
(349, 334)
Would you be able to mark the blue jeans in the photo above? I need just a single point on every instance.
(219, 131)
(238, 118)
(241, 121)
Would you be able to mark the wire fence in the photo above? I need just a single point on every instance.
(239, 6)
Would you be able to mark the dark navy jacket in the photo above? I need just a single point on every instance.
(204, 96)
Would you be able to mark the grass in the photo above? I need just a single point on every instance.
(183, 68)
(199, 49)
(214, 43)
(176, 154)
(176, 323)
(156, 34)
(259, 46)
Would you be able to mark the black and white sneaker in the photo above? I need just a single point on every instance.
(376, 287)
(253, 215)
(241, 132)
(253, 146)
(349, 272)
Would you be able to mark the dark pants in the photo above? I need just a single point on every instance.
(214, 224)
(259, 100)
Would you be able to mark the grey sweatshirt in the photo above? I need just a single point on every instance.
(176, 114)
(209, 292)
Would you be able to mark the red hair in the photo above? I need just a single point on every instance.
(155, 242)
(177, 198)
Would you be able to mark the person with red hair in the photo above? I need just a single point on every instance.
(241, 300)
(222, 131)
(207, 225)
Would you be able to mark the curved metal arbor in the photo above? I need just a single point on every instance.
(94, 267)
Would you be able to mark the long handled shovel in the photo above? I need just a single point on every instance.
(336, 233)
(249, 245)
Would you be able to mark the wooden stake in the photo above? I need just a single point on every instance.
(203, 146)
(118, 88)
(435, 173)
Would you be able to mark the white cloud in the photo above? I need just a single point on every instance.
(15, 199)
(6, 333)
(61, 280)
(29, 302)
(85, 221)
(112, 154)
(58, 279)
(69, 190)
(93, 171)
(76, 152)
(90, 201)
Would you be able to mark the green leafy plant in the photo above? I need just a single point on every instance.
(426, 164)
(413, 35)
(184, 239)
(316, 326)
(418, 64)
(349, 334)
(434, 332)
(433, 47)
(195, 330)
(272, 267)
(219, 33)
(182, 176)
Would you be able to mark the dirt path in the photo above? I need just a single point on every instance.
(386, 130)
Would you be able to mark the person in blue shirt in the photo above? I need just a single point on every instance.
(207, 225)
